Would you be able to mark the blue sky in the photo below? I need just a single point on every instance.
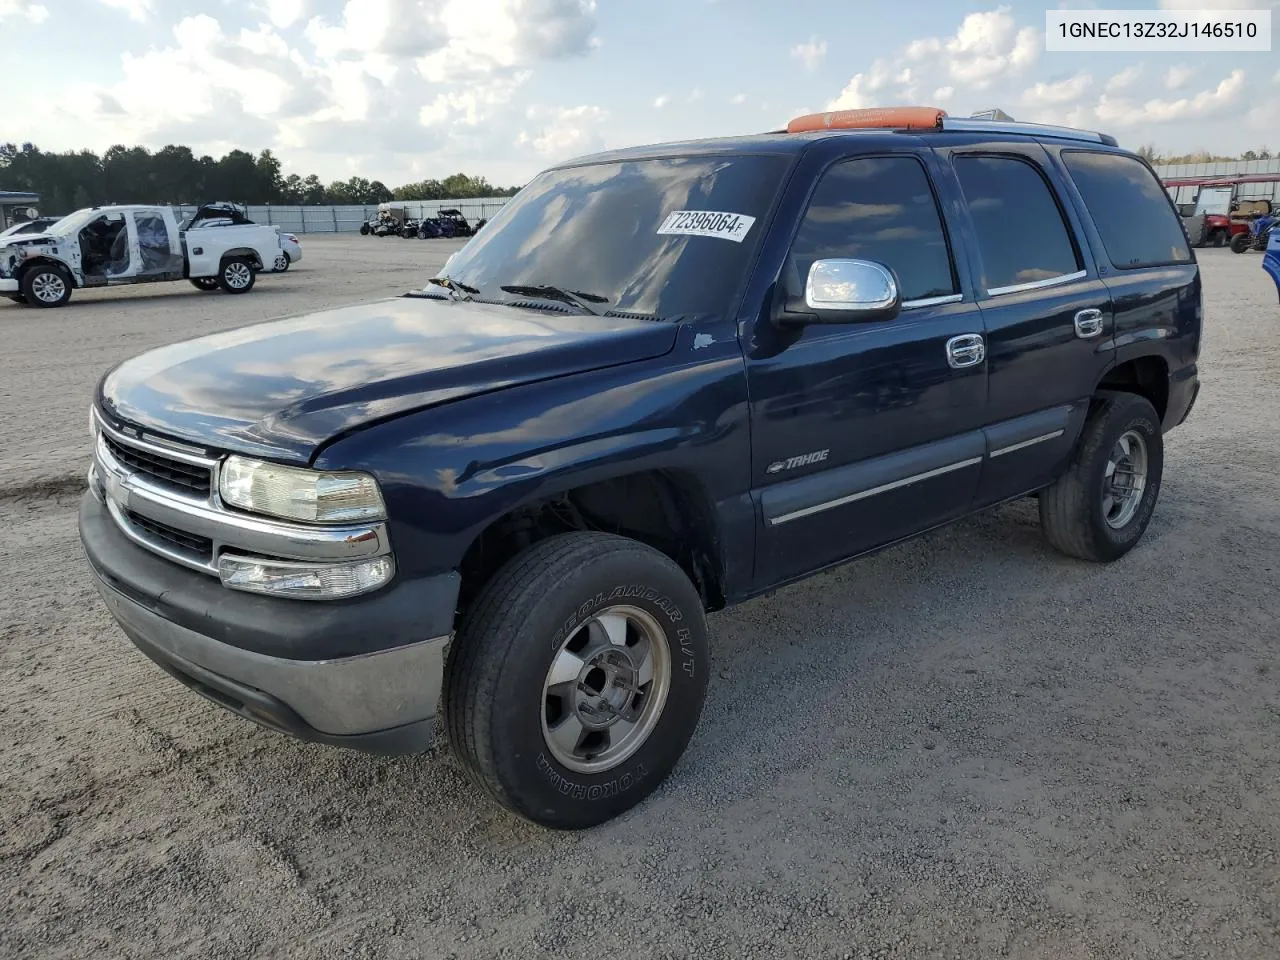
(400, 90)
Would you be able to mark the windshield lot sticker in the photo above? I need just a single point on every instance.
(707, 223)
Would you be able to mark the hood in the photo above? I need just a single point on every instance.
(281, 389)
(25, 239)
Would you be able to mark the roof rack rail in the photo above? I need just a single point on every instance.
(961, 124)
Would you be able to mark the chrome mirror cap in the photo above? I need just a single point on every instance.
(851, 286)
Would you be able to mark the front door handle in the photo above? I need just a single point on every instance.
(1088, 323)
(966, 350)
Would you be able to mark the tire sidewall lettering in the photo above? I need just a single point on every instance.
(611, 787)
(663, 603)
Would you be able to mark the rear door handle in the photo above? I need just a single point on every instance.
(1088, 323)
(966, 350)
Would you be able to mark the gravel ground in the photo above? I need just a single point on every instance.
(964, 747)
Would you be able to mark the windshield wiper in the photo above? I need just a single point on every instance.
(582, 301)
(454, 287)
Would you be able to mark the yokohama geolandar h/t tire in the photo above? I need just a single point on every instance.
(577, 678)
(236, 275)
(1100, 507)
(46, 286)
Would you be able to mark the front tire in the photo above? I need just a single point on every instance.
(1100, 507)
(46, 286)
(1241, 242)
(237, 275)
(577, 678)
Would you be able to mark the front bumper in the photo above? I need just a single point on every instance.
(9, 285)
(228, 647)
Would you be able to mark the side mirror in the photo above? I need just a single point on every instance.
(838, 291)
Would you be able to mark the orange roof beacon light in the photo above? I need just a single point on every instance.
(892, 118)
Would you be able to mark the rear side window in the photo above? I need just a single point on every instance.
(1022, 235)
(1130, 209)
(882, 209)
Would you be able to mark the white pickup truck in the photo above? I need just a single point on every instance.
(106, 246)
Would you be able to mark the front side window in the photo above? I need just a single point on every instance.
(670, 238)
(1022, 235)
(881, 209)
(1130, 208)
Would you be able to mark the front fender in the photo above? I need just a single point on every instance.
(450, 471)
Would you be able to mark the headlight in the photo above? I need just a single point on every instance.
(304, 581)
(312, 496)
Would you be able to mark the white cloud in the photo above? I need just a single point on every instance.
(863, 89)
(944, 93)
(811, 54)
(1063, 91)
(136, 9)
(1124, 112)
(284, 13)
(24, 9)
(696, 95)
(988, 45)
(562, 132)
(987, 48)
(661, 101)
(740, 98)
(1177, 76)
(1125, 78)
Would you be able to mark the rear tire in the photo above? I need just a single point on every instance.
(45, 285)
(1100, 507)
(1219, 237)
(544, 698)
(237, 275)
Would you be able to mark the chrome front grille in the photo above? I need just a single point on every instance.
(164, 469)
(164, 497)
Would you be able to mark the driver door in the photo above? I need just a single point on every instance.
(867, 432)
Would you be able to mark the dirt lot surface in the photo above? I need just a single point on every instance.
(964, 747)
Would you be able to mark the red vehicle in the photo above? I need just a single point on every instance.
(1218, 213)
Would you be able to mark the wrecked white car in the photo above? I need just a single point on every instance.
(109, 246)
(225, 214)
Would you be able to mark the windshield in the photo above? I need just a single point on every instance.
(1215, 200)
(71, 223)
(669, 238)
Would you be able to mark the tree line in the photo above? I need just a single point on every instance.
(175, 175)
(1153, 155)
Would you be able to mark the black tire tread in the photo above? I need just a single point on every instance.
(1066, 501)
(473, 665)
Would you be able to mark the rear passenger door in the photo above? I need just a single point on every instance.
(1048, 315)
(1146, 263)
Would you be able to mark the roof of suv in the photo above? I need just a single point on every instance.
(784, 142)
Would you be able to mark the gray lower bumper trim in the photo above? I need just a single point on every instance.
(351, 696)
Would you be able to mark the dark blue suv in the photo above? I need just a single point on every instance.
(660, 381)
